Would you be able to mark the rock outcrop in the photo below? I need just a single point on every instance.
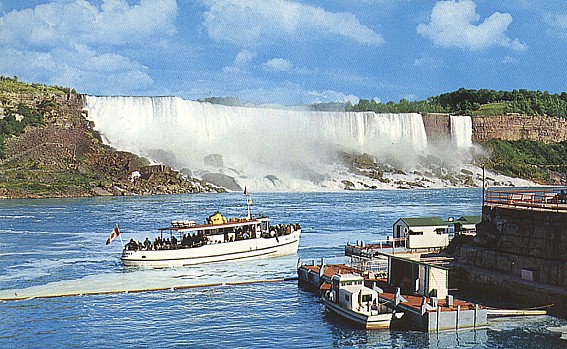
(65, 157)
(510, 127)
(515, 127)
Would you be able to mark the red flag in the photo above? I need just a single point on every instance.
(113, 235)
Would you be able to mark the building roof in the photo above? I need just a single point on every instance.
(423, 222)
(469, 219)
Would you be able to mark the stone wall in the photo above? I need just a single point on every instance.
(520, 252)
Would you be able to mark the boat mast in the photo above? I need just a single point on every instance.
(248, 202)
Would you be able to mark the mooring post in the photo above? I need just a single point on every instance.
(475, 314)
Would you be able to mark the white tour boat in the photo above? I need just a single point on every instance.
(219, 239)
(351, 299)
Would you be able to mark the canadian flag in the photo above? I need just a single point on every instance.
(113, 235)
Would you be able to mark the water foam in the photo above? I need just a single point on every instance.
(264, 148)
(461, 131)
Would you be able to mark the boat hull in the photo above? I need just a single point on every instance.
(236, 250)
(370, 322)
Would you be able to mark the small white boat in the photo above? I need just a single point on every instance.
(351, 299)
(219, 239)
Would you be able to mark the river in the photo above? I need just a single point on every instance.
(57, 246)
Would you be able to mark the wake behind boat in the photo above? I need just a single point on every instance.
(219, 239)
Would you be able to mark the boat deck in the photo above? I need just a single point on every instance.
(422, 313)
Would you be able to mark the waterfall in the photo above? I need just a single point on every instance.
(253, 141)
(461, 131)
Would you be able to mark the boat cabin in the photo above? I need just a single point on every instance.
(218, 229)
(349, 291)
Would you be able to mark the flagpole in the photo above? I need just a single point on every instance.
(120, 236)
(248, 204)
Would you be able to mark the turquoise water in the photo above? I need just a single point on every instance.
(55, 246)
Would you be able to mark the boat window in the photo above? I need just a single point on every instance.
(347, 297)
(367, 298)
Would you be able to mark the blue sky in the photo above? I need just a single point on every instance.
(286, 51)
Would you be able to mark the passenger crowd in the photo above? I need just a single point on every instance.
(199, 239)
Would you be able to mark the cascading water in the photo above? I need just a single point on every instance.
(461, 131)
(290, 145)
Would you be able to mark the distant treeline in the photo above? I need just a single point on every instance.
(477, 102)
(462, 102)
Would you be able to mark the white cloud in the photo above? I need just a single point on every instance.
(427, 61)
(509, 60)
(278, 64)
(558, 22)
(74, 43)
(61, 22)
(332, 96)
(250, 23)
(452, 25)
(241, 61)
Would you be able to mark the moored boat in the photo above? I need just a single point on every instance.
(219, 239)
(352, 300)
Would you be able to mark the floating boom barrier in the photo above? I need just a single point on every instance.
(149, 289)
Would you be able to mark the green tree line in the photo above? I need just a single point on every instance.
(473, 102)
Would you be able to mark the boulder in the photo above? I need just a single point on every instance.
(214, 160)
(222, 180)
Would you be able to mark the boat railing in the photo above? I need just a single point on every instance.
(528, 198)
(377, 266)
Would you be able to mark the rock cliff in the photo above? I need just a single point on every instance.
(65, 157)
(511, 127)
(515, 127)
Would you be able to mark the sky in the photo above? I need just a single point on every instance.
(286, 51)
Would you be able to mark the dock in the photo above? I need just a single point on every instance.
(422, 313)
